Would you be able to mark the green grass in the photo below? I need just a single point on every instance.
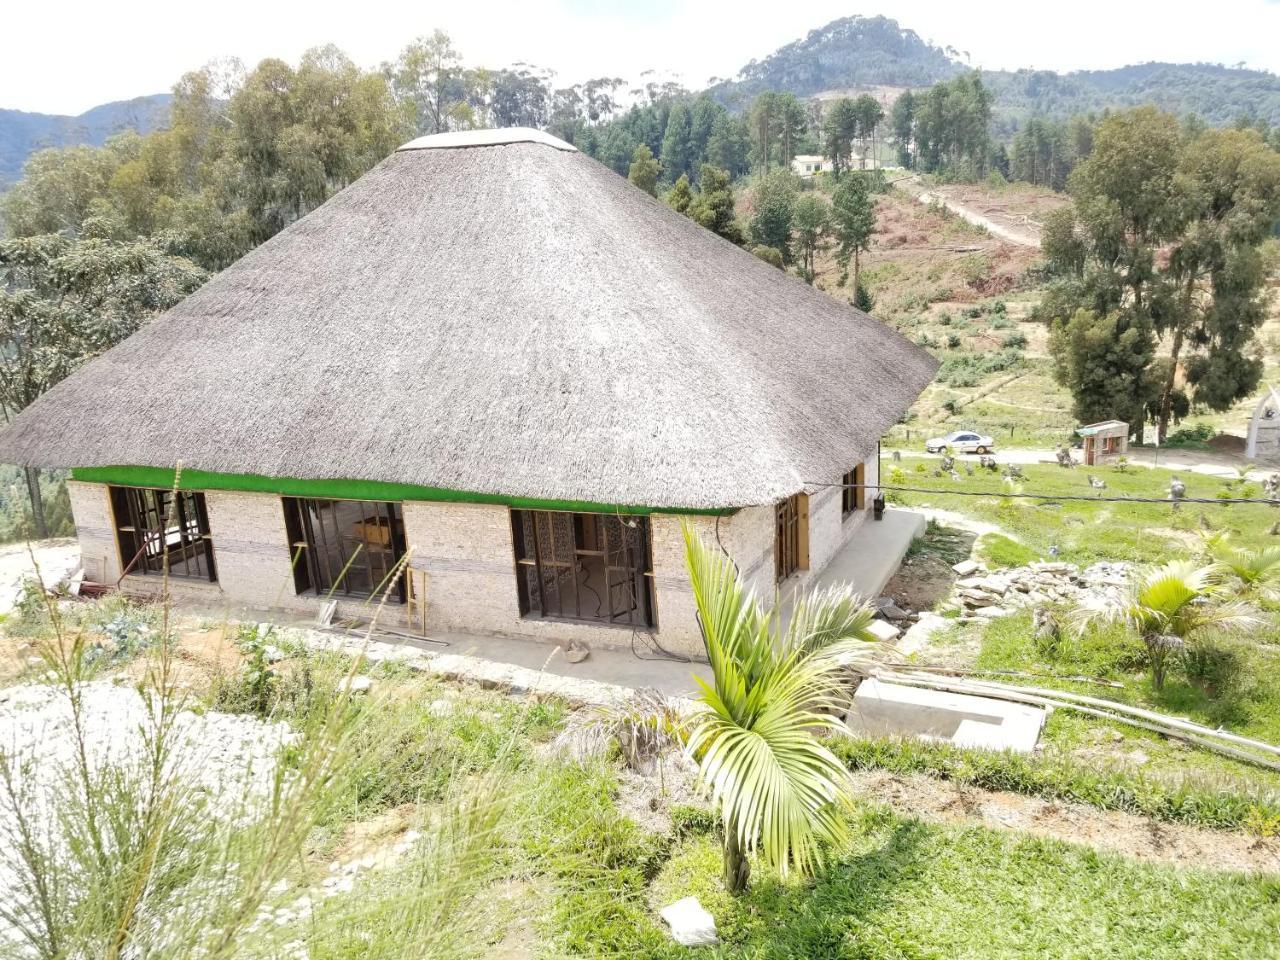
(1085, 532)
(902, 889)
(1229, 684)
(1000, 551)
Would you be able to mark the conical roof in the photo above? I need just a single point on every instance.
(494, 313)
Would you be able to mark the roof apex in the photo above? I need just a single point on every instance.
(487, 138)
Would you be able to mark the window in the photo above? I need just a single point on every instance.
(349, 548)
(583, 566)
(154, 526)
(791, 542)
(853, 493)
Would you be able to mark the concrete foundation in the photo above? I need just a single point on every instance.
(889, 709)
(467, 554)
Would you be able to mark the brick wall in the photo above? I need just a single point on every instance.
(467, 553)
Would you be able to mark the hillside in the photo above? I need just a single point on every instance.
(849, 52)
(860, 52)
(21, 133)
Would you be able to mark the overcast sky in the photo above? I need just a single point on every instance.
(64, 56)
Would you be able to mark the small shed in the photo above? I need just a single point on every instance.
(1104, 442)
(1263, 442)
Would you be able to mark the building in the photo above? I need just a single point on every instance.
(1104, 442)
(1263, 439)
(496, 357)
(806, 165)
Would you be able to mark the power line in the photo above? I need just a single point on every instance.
(1223, 501)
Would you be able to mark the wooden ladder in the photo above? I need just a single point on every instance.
(415, 595)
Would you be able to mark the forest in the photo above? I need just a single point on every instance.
(98, 239)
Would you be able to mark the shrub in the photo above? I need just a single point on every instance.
(770, 255)
(969, 369)
(953, 341)
(1016, 341)
(1190, 436)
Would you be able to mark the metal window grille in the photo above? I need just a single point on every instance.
(786, 553)
(347, 548)
(583, 566)
(155, 525)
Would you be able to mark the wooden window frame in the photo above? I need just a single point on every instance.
(554, 577)
(791, 536)
(853, 491)
(147, 538)
(317, 572)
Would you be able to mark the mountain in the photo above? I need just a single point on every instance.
(851, 52)
(21, 134)
(865, 52)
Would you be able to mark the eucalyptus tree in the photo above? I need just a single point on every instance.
(63, 301)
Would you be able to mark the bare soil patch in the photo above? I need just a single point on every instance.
(940, 801)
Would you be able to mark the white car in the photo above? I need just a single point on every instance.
(962, 441)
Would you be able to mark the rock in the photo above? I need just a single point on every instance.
(440, 708)
(575, 651)
(889, 610)
(883, 631)
(990, 613)
(691, 925)
(360, 684)
(966, 568)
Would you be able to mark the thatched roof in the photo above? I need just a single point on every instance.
(510, 318)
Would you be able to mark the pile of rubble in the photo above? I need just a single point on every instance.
(980, 594)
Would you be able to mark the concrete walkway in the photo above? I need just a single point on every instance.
(871, 558)
(644, 667)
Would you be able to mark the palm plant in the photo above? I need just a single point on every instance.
(1169, 605)
(1257, 570)
(779, 791)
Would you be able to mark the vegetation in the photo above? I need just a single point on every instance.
(778, 790)
(1205, 202)
(1170, 607)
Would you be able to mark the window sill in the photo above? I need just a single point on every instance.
(583, 621)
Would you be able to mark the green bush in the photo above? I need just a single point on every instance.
(1190, 436)
(969, 369)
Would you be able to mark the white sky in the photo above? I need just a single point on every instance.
(64, 56)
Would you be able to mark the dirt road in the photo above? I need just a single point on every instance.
(1016, 230)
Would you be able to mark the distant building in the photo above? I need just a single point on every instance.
(1263, 442)
(1104, 442)
(806, 165)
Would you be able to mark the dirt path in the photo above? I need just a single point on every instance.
(941, 801)
(1015, 230)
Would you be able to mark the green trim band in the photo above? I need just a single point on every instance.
(162, 477)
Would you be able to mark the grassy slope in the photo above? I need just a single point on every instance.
(1084, 532)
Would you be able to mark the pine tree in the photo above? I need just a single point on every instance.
(853, 219)
(677, 142)
(644, 170)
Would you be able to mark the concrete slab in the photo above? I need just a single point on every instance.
(890, 709)
(874, 552)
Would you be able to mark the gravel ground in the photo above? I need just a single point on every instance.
(230, 757)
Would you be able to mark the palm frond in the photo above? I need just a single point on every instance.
(1250, 567)
(828, 616)
(777, 787)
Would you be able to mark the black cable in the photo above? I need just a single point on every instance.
(1226, 502)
